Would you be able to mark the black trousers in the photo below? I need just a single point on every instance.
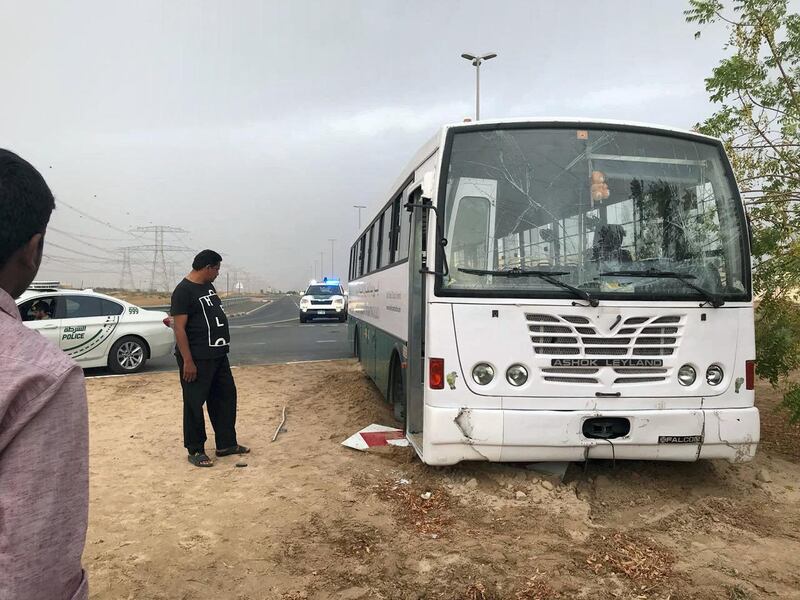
(215, 388)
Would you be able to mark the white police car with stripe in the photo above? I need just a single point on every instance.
(98, 330)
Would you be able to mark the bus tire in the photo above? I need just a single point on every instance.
(397, 392)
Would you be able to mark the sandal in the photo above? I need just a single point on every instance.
(200, 459)
(233, 450)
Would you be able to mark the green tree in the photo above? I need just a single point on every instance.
(757, 89)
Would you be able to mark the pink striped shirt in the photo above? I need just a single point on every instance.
(44, 470)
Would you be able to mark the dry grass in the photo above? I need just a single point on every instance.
(777, 433)
(428, 517)
(641, 561)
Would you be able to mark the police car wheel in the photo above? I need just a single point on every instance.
(303, 318)
(127, 355)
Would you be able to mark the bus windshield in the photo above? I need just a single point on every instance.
(616, 213)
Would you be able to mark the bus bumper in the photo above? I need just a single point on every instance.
(455, 434)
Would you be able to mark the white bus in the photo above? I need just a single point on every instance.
(560, 290)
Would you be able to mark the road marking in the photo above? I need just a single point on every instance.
(327, 341)
(267, 324)
(266, 304)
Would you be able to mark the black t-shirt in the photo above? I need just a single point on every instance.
(207, 325)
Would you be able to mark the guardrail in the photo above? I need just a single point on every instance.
(226, 302)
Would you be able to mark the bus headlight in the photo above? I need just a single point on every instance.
(687, 375)
(517, 375)
(483, 373)
(714, 375)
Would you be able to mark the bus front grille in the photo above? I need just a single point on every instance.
(573, 337)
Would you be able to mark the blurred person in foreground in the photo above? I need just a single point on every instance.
(44, 429)
(202, 340)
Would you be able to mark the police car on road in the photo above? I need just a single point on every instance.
(98, 330)
(324, 300)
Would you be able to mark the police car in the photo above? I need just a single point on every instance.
(97, 330)
(324, 300)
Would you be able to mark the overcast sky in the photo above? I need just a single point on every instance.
(256, 126)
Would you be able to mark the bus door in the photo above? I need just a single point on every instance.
(415, 376)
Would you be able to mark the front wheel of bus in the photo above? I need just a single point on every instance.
(397, 391)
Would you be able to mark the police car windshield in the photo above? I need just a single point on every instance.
(323, 290)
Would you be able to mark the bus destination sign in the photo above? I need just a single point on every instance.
(606, 362)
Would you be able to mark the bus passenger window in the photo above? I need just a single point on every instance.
(404, 222)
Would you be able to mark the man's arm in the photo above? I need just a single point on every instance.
(44, 494)
(182, 340)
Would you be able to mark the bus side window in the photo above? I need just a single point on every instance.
(377, 234)
(370, 254)
(351, 274)
(404, 229)
(361, 256)
(386, 236)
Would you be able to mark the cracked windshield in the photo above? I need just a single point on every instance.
(612, 213)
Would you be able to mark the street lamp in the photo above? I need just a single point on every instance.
(476, 62)
(359, 207)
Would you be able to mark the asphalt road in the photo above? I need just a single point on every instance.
(272, 334)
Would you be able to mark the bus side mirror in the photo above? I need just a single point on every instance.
(427, 185)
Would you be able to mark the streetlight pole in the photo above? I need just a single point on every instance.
(476, 62)
(321, 264)
(359, 207)
(331, 240)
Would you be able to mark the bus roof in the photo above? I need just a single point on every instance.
(582, 121)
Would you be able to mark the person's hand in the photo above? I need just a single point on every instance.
(189, 371)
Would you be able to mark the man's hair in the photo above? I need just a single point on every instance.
(206, 258)
(25, 204)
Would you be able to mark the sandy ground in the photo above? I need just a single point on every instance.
(310, 519)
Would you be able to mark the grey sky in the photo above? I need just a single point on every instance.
(257, 125)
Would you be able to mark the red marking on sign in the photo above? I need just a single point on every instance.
(381, 438)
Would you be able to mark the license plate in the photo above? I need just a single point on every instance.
(320, 312)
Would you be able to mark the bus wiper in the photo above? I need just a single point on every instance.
(713, 299)
(547, 276)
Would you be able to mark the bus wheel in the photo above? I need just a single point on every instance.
(397, 391)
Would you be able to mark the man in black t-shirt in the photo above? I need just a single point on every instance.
(202, 341)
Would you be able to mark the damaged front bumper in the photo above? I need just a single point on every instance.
(455, 434)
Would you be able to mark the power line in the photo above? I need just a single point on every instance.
(96, 220)
(73, 259)
(76, 238)
(54, 245)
